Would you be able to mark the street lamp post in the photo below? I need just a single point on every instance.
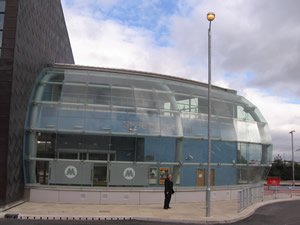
(210, 17)
(293, 162)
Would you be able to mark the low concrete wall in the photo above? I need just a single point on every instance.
(125, 195)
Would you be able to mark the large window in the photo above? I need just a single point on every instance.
(250, 153)
(188, 105)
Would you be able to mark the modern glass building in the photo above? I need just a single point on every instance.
(90, 126)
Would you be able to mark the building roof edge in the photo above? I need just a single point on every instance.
(137, 73)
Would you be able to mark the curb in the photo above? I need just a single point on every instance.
(244, 214)
(59, 217)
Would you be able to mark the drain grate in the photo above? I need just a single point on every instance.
(79, 218)
(11, 216)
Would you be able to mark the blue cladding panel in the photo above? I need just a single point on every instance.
(197, 149)
(225, 175)
(188, 176)
(161, 149)
(224, 152)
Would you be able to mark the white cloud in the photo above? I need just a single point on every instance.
(248, 37)
(281, 116)
(108, 43)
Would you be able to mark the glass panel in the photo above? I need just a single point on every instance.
(68, 155)
(100, 95)
(255, 154)
(98, 156)
(247, 132)
(224, 152)
(259, 116)
(97, 143)
(165, 100)
(47, 116)
(242, 154)
(243, 113)
(100, 175)
(248, 107)
(124, 122)
(215, 128)
(189, 89)
(148, 121)
(250, 153)
(42, 170)
(98, 118)
(78, 143)
(223, 109)
(51, 92)
(159, 149)
(1, 21)
(125, 148)
(243, 175)
(141, 82)
(194, 150)
(121, 81)
(54, 76)
(187, 103)
(264, 132)
(0, 39)
(194, 127)
(148, 83)
(145, 98)
(73, 76)
(122, 97)
(99, 78)
(46, 145)
(71, 117)
(227, 129)
(170, 125)
(203, 105)
(74, 94)
(2, 6)
(256, 174)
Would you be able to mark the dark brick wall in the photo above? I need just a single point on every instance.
(6, 77)
(41, 38)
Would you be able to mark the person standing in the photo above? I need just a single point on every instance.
(168, 191)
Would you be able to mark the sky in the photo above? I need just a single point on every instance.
(255, 48)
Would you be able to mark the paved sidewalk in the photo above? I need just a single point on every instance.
(222, 211)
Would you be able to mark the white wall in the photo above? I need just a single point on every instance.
(124, 196)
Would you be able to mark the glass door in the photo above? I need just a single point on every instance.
(100, 175)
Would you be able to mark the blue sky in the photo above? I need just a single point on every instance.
(255, 47)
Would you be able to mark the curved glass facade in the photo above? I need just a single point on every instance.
(106, 127)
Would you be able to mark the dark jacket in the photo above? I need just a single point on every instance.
(169, 186)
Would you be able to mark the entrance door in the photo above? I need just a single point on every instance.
(100, 169)
(100, 175)
(42, 168)
(200, 180)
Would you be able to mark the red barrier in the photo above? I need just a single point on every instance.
(273, 181)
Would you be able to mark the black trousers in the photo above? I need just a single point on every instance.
(167, 200)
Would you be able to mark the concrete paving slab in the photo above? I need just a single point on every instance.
(222, 211)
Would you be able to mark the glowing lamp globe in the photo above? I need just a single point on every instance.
(210, 16)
